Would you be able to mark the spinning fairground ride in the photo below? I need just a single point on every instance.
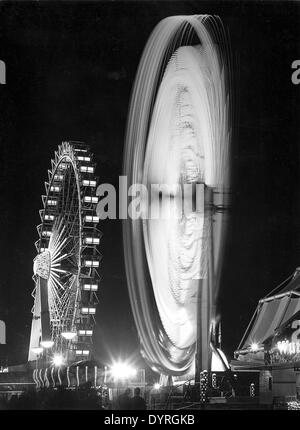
(178, 134)
(66, 267)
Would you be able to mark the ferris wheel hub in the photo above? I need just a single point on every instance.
(42, 264)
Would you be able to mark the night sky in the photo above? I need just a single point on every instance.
(70, 70)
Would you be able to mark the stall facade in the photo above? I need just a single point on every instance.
(271, 343)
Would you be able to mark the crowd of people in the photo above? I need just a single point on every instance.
(54, 399)
(85, 397)
(128, 402)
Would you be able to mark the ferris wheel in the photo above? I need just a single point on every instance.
(66, 267)
(179, 133)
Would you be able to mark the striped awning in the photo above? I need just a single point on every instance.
(270, 315)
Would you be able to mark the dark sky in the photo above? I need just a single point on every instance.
(70, 70)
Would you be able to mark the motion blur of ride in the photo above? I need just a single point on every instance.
(179, 132)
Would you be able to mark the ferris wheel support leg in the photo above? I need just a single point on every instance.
(206, 308)
(211, 294)
(45, 315)
(203, 347)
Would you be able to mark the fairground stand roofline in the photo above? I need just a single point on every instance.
(276, 332)
(274, 310)
(289, 285)
(256, 366)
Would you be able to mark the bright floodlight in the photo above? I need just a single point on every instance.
(254, 347)
(156, 386)
(57, 360)
(122, 371)
(68, 335)
(38, 350)
(47, 344)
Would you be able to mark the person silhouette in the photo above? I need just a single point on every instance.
(124, 400)
(138, 402)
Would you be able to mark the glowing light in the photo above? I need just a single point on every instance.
(91, 263)
(81, 158)
(58, 360)
(90, 199)
(294, 405)
(122, 371)
(178, 133)
(38, 350)
(254, 347)
(90, 287)
(87, 169)
(90, 310)
(286, 347)
(42, 264)
(85, 332)
(83, 352)
(91, 218)
(157, 386)
(68, 335)
(52, 202)
(87, 183)
(47, 344)
(281, 346)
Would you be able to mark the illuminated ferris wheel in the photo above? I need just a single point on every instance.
(66, 267)
(178, 134)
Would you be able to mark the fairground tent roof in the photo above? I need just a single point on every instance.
(272, 312)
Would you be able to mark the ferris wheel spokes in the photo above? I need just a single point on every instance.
(68, 257)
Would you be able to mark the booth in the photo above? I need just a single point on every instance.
(271, 343)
